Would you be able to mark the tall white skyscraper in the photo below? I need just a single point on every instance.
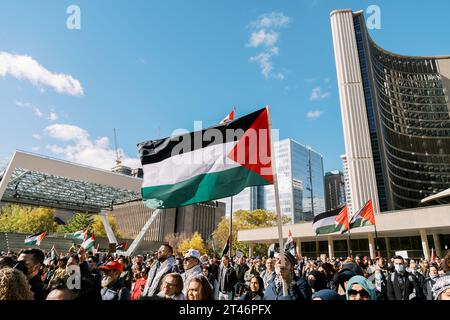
(395, 118)
(348, 197)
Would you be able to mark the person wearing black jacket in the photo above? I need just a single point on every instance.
(241, 269)
(402, 285)
(30, 262)
(380, 284)
(227, 280)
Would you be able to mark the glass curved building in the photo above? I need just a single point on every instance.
(396, 118)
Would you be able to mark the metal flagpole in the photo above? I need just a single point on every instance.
(231, 227)
(350, 244)
(277, 200)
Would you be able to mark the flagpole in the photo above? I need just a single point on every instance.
(376, 240)
(277, 199)
(350, 244)
(231, 227)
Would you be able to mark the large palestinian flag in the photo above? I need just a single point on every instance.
(331, 221)
(210, 164)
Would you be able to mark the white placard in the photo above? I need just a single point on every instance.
(403, 254)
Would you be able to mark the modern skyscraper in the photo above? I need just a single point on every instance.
(300, 180)
(396, 118)
(300, 183)
(334, 190)
(348, 197)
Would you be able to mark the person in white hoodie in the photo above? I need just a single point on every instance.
(192, 268)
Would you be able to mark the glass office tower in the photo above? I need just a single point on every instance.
(300, 177)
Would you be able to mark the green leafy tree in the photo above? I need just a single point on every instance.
(24, 219)
(79, 221)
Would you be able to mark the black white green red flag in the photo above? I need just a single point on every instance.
(364, 217)
(35, 239)
(290, 243)
(331, 221)
(208, 164)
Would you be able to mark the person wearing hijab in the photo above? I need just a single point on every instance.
(359, 288)
(326, 294)
(256, 289)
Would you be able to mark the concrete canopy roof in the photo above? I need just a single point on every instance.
(37, 180)
(442, 197)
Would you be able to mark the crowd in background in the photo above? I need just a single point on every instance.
(82, 275)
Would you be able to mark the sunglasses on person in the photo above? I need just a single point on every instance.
(362, 293)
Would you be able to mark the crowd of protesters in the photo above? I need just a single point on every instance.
(82, 275)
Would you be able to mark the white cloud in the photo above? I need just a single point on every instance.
(53, 116)
(26, 68)
(80, 148)
(36, 148)
(262, 37)
(264, 60)
(314, 114)
(67, 132)
(36, 136)
(38, 113)
(272, 20)
(318, 94)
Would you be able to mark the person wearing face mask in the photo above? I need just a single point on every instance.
(30, 262)
(402, 285)
(380, 284)
(113, 287)
(430, 281)
(414, 269)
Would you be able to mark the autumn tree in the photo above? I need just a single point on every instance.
(97, 226)
(24, 219)
(195, 242)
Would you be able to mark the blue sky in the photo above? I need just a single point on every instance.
(149, 67)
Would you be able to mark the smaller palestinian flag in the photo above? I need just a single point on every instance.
(81, 235)
(35, 239)
(122, 246)
(290, 244)
(54, 257)
(229, 117)
(364, 217)
(331, 221)
(433, 255)
(226, 248)
(342, 220)
(88, 243)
